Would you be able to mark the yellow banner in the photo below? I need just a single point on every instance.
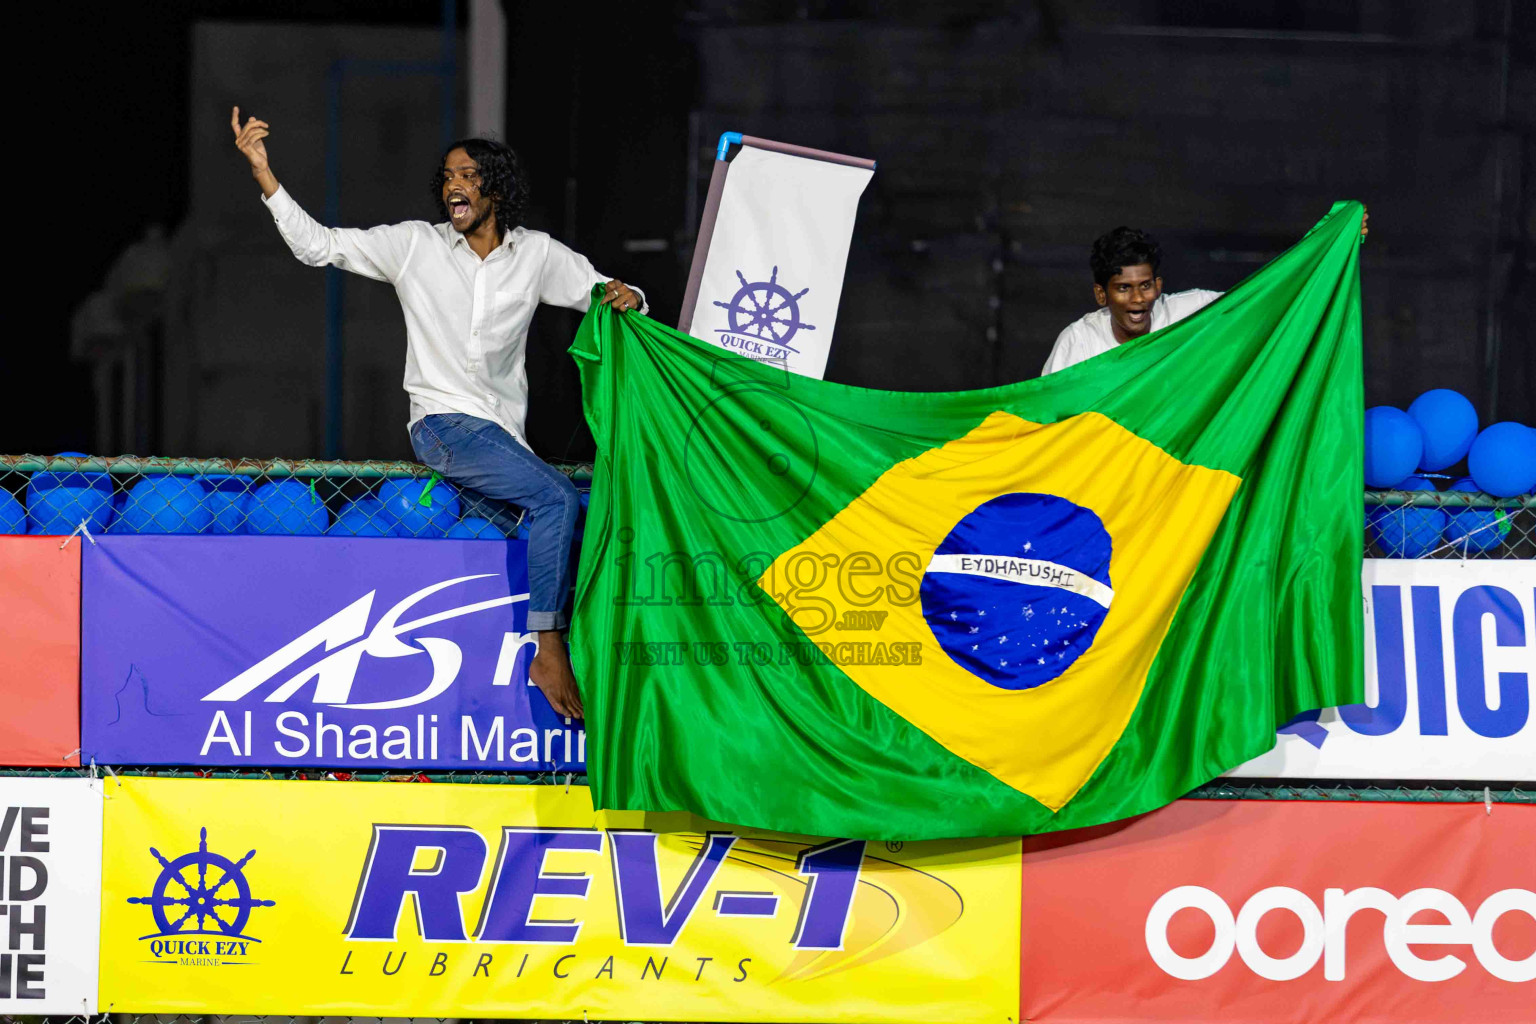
(519, 901)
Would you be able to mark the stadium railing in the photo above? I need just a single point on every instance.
(130, 494)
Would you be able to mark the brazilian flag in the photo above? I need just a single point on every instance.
(816, 608)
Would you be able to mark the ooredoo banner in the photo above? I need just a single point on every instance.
(365, 652)
(390, 899)
(1276, 911)
(1450, 666)
(39, 651)
(50, 894)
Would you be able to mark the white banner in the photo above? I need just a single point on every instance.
(50, 895)
(1450, 664)
(774, 271)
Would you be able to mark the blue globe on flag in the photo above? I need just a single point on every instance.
(1019, 588)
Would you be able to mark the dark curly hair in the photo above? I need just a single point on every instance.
(1121, 248)
(501, 178)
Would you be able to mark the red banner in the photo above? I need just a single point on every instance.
(39, 651)
(1250, 911)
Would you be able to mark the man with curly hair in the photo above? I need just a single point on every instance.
(1130, 295)
(468, 288)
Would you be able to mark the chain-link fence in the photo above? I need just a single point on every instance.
(1449, 524)
(1315, 790)
(61, 495)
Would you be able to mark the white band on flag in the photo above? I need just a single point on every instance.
(1032, 571)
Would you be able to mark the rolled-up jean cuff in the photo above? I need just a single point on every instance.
(541, 621)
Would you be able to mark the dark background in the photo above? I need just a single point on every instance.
(1008, 136)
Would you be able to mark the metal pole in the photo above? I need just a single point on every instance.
(133, 465)
(486, 69)
(701, 245)
(448, 70)
(334, 281)
(1493, 326)
(805, 151)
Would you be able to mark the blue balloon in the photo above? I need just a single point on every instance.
(57, 503)
(229, 500)
(287, 506)
(61, 510)
(421, 508)
(48, 481)
(1393, 446)
(13, 515)
(1406, 531)
(475, 528)
(1503, 460)
(1476, 529)
(1449, 425)
(364, 517)
(164, 504)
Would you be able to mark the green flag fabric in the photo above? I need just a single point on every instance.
(821, 609)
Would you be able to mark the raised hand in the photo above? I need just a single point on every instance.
(248, 140)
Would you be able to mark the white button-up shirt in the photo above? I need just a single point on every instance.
(466, 319)
(1094, 334)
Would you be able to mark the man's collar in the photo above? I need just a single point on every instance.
(507, 240)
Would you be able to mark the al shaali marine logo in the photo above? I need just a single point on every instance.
(346, 637)
(201, 893)
(765, 311)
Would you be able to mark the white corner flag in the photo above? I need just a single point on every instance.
(768, 267)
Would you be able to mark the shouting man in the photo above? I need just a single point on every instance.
(469, 288)
(1130, 295)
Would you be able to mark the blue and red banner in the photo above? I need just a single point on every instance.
(365, 652)
(39, 652)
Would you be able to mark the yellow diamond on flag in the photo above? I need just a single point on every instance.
(1051, 560)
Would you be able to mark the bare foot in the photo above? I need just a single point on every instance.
(551, 672)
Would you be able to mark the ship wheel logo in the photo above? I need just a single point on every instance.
(765, 310)
(217, 901)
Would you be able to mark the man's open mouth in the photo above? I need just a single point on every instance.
(1136, 316)
(458, 207)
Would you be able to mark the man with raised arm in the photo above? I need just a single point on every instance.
(468, 288)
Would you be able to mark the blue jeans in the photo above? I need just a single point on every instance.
(480, 455)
